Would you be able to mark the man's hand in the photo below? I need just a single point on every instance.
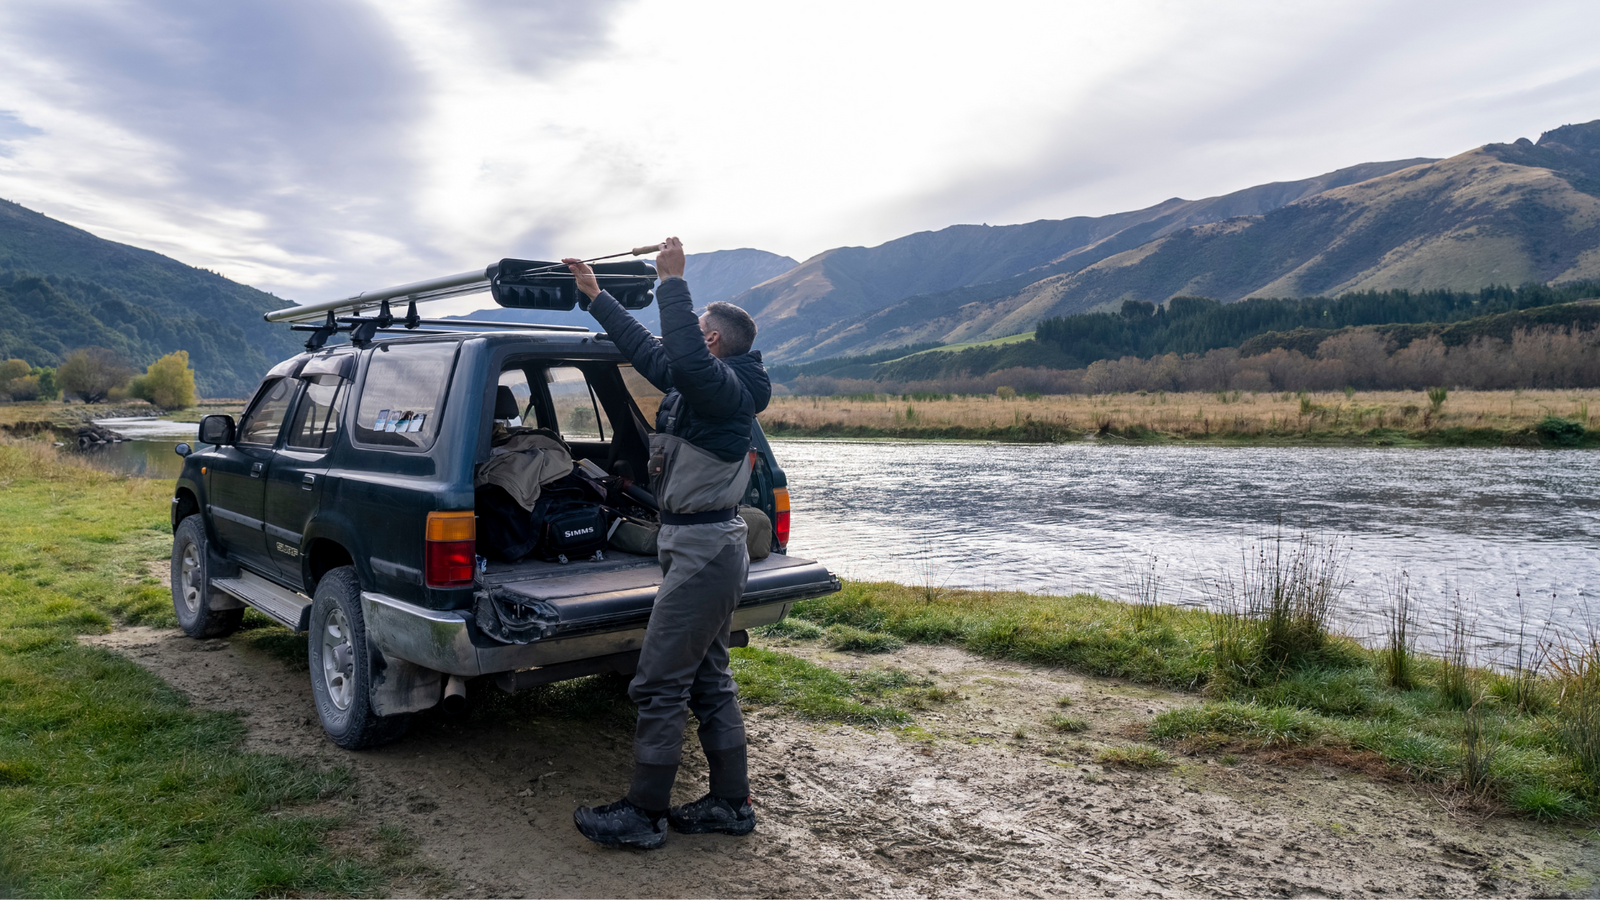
(585, 276)
(669, 262)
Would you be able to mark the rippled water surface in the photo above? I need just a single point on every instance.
(1472, 527)
(1476, 524)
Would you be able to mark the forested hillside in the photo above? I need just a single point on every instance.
(62, 288)
(1197, 325)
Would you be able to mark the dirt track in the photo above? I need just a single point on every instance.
(976, 810)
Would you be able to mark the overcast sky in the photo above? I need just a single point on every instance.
(315, 148)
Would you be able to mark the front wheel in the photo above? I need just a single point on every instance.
(341, 673)
(192, 594)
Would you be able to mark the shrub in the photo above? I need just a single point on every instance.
(92, 373)
(1437, 396)
(169, 382)
(1005, 393)
(1559, 432)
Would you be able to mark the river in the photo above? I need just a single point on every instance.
(1473, 528)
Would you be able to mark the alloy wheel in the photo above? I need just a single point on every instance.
(338, 659)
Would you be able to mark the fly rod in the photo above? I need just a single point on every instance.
(637, 251)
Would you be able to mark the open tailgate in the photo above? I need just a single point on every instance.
(585, 597)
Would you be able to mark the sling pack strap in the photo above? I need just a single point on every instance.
(701, 518)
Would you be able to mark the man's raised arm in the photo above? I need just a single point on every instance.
(635, 341)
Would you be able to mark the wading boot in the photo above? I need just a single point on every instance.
(713, 814)
(621, 824)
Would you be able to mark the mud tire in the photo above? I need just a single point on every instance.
(341, 667)
(192, 594)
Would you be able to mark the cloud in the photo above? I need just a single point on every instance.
(322, 148)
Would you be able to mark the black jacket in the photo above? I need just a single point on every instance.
(720, 396)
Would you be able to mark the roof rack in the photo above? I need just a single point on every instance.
(513, 284)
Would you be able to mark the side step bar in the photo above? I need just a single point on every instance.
(625, 663)
(279, 603)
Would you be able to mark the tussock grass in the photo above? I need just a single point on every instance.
(1487, 418)
(1136, 756)
(110, 785)
(1398, 652)
(1578, 704)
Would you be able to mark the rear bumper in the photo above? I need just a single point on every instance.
(448, 640)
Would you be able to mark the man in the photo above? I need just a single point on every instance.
(699, 470)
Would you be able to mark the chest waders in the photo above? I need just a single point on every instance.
(683, 664)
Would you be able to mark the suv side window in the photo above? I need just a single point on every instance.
(403, 394)
(316, 419)
(646, 396)
(579, 416)
(261, 426)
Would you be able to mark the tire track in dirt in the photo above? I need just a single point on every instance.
(972, 809)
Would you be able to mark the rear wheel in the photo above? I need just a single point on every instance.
(341, 672)
(192, 594)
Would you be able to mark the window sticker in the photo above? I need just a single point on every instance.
(400, 424)
(416, 423)
(383, 418)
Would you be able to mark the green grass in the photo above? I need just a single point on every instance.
(110, 785)
(1084, 632)
(877, 697)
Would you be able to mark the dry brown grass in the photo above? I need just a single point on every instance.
(1195, 414)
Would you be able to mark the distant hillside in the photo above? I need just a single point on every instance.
(718, 275)
(822, 307)
(62, 288)
(1500, 214)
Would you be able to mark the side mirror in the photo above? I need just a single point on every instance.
(217, 430)
(183, 449)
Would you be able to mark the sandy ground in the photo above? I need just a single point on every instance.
(969, 805)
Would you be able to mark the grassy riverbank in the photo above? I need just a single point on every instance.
(1375, 418)
(1527, 740)
(110, 785)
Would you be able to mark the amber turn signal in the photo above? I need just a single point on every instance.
(452, 526)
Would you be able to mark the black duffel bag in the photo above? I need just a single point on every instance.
(567, 522)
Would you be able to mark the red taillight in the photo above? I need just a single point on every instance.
(452, 548)
(780, 524)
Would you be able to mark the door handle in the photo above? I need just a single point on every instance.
(255, 470)
(308, 482)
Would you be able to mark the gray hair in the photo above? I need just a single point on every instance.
(738, 330)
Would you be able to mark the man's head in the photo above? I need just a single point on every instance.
(729, 330)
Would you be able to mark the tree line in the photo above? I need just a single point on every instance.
(96, 374)
(1199, 324)
(1545, 356)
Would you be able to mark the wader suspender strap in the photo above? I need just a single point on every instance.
(669, 413)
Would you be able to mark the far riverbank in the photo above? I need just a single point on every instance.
(1360, 418)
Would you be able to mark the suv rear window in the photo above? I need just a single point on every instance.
(403, 394)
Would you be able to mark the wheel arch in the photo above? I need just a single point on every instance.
(322, 555)
(184, 505)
